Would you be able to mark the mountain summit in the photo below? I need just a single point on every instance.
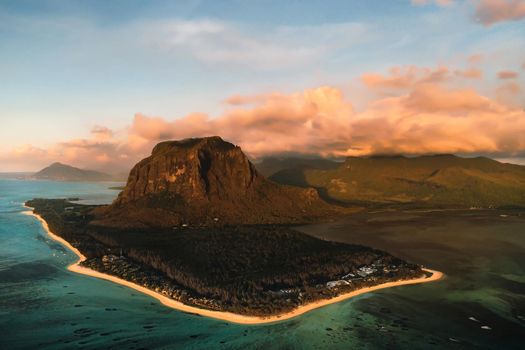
(202, 181)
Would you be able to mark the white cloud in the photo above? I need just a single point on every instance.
(218, 42)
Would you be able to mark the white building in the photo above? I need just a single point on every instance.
(333, 284)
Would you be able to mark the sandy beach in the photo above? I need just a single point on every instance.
(225, 316)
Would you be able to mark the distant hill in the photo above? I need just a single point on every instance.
(272, 165)
(438, 180)
(206, 181)
(62, 172)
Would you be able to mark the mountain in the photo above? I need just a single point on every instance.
(197, 223)
(62, 172)
(206, 181)
(437, 180)
(272, 165)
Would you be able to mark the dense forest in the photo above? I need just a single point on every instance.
(258, 270)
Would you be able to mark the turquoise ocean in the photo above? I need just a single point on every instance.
(479, 305)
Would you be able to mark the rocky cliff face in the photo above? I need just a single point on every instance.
(206, 181)
(194, 169)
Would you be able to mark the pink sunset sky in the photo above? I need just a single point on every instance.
(98, 90)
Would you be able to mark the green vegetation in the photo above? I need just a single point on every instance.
(441, 180)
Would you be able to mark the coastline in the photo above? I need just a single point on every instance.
(220, 315)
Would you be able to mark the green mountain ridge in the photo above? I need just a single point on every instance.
(436, 180)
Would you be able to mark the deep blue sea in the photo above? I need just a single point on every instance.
(480, 304)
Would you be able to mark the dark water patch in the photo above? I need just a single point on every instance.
(29, 271)
(508, 284)
(494, 325)
(19, 297)
(42, 238)
(191, 313)
(105, 334)
(84, 332)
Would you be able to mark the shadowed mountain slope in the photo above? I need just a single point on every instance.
(272, 165)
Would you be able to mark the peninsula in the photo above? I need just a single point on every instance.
(199, 229)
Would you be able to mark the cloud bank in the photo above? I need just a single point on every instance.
(423, 112)
(429, 119)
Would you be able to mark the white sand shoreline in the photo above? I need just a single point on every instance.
(225, 316)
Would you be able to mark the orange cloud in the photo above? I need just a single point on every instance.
(470, 73)
(489, 12)
(434, 98)
(507, 74)
(437, 120)
(307, 122)
(476, 58)
(405, 77)
(430, 118)
(238, 100)
(94, 153)
(510, 94)
(425, 117)
(102, 132)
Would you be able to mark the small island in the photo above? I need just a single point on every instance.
(242, 266)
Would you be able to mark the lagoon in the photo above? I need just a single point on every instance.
(480, 303)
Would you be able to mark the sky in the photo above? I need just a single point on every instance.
(96, 84)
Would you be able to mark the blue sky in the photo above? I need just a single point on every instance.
(67, 66)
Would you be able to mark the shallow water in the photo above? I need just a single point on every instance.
(43, 305)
